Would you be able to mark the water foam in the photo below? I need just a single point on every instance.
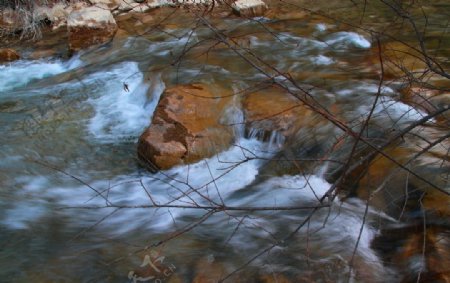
(214, 180)
(396, 111)
(365, 88)
(122, 109)
(321, 27)
(286, 40)
(335, 230)
(331, 231)
(21, 73)
(207, 182)
(348, 39)
(229, 171)
(321, 60)
(286, 191)
(28, 206)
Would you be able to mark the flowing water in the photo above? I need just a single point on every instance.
(69, 123)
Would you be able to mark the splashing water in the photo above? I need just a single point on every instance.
(21, 73)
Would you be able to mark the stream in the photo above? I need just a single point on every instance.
(70, 130)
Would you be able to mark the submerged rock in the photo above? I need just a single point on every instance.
(8, 55)
(270, 110)
(428, 100)
(249, 8)
(90, 26)
(416, 251)
(185, 127)
(279, 118)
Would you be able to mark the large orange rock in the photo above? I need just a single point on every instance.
(398, 192)
(270, 110)
(275, 116)
(90, 26)
(8, 55)
(185, 127)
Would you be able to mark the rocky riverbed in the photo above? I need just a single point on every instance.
(194, 141)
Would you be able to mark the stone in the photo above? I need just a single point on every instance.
(206, 271)
(8, 55)
(428, 100)
(396, 187)
(38, 54)
(11, 21)
(75, 6)
(270, 110)
(292, 14)
(277, 117)
(127, 5)
(413, 242)
(42, 13)
(90, 26)
(57, 14)
(145, 7)
(195, 2)
(249, 8)
(106, 4)
(185, 127)
(274, 278)
(153, 4)
(397, 57)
